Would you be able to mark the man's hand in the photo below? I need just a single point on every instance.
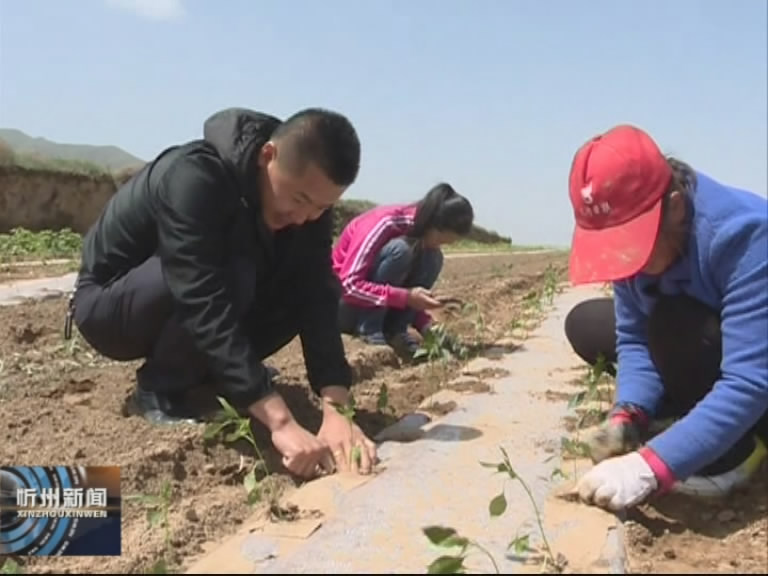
(618, 483)
(302, 451)
(350, 448)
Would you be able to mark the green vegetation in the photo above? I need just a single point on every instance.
(21, 244)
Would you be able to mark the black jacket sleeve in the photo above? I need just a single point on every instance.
(193, 219)
(321, 341)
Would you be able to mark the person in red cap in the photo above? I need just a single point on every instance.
(686, 332)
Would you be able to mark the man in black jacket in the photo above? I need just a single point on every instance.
(216, 255)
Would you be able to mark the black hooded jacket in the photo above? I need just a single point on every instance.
(197, 205)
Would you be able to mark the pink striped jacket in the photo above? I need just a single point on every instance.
(357, 249)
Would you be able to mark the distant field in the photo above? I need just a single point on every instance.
(23, 245)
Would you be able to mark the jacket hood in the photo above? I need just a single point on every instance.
(237, 133)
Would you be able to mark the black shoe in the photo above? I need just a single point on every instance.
(160, 408)
(153, 399)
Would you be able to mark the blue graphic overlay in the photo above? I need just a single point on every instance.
(60, 511)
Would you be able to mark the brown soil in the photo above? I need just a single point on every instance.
(678, 534)
(12, 272)
(63, 404)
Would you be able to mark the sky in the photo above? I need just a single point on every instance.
(492, 96)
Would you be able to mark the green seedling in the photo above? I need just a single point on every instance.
(479, 320)
(551, 284)
(447, 538)
(574, 448)
(436, 345)
(436, 348)
(592, 381)
(348, 411)
(498, 505)
(10, 566)
(382, 402)
(240, 429)
(158, 508)
(23, 244)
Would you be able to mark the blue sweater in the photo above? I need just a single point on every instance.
(726, 267)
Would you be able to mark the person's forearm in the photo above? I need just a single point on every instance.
(272, 411)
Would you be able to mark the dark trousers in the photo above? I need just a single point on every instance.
(685, 345)
(397, 264)
(133, 318)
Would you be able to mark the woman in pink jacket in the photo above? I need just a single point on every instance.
(388, 259)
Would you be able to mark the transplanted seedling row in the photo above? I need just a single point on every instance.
(448, 538)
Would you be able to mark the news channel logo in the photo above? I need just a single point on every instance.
(60, 510)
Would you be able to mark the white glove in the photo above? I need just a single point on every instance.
(618, 483)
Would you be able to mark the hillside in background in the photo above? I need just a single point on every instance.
(29, 169)
(41, 151)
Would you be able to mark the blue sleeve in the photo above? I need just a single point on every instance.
(739, 265)
(637, 381)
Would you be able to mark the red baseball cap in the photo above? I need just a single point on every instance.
(616, 185)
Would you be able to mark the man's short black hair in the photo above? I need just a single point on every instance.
(324, 137)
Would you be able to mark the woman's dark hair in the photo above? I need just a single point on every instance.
(684, 182)
(445, 210)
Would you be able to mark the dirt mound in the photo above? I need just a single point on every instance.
(680, 534)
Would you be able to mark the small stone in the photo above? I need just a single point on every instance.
(407, 429)
(506, 342)
(192, 515)
(210, 468)
(669, 554)
(726, 515)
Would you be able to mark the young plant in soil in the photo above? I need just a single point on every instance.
(449, 538)
(240, 429)
(498, 506)
(383, 405)
(478, 323)
(438, 348)
(575, 448)
(551, 284)
(348, 411)
(10, 566)
(592, 381)
(158, 508)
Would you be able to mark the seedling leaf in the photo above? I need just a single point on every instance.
(159, 567)
(439, 534)
(456, 541)
(498, 505)
(498, 466)
(154, 517)
(557, 472)
(521, 544)
(447, 565)
(250, 482)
